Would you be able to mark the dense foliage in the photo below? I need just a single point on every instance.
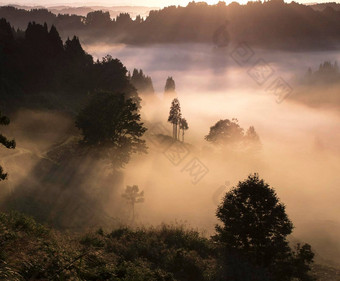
(30, 251)
(253, 236)
(142, 82)
(228, 133)
(38, 70)
(111, 125)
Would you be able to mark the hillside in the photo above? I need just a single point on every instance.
(273, 24)
(84, 10)
(30, 251)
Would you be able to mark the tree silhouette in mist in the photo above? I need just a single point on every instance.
(253, 236)
(133, 196)
(252, 139)
(225, 132)
(4, 121)
(110, 125)
(183, 125)
(175, 116)
(170, 85)
(142, 82)
(327, 73)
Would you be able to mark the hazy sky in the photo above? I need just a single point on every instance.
(151, 3)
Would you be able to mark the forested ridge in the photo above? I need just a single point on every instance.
(271, 24)
(38, 69)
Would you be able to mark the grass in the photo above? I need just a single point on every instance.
(30, 251)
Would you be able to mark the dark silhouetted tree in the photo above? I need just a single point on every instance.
(142, 82)
(175, 117)
(110, 125)
(124, 19)
(6, 34)
(303, 257)
(183, 125)
(56, 46)
(73, 49)
(170, 85)
(225, 132)
(4, 121)
(98, 19)
(111, 75)
(133, 196)
(253, 236)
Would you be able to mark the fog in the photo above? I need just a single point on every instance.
(300, 143)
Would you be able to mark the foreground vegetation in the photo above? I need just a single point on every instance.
(30, 251)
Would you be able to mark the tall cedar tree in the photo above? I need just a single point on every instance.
(175, 117)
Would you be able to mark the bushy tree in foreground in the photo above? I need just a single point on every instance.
(253, 236)
(110, 124)
(5, 142)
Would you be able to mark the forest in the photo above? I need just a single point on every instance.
(269, 24)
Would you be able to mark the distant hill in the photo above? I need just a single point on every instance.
(322, 6)
(272, 24)
(84, 10)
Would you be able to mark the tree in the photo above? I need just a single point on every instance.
(225, 132)
(55, 43)
(98, 19)
(110, 125)
(175, 116)
(4, 121)
(111, 75)
(124, 19)
(170, 85)
(141, 82)
(252, 139)
(254, 233)
(183, 125)
(133, 196)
